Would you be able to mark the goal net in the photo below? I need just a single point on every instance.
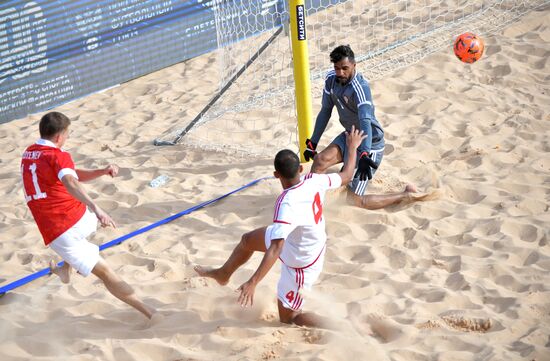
(254, 112)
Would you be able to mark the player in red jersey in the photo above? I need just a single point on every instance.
(297, 236)
(64, 213)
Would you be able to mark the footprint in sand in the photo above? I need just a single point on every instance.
(313, 336)
(468, 324)
(373, 325)
(459, 323)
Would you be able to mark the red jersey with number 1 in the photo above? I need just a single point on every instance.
(54, 209)
(299, 219)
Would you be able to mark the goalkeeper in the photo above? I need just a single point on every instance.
(346, 89)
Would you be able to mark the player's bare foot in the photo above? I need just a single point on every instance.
(62, 272)
(410, 188)
(214, 273)
(156, 318)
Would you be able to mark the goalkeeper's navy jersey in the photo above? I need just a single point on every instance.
(355, 107)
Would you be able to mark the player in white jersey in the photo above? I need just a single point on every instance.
(297, 236)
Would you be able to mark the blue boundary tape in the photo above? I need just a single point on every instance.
(22, 281)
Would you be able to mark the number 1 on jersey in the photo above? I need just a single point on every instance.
(38, 194)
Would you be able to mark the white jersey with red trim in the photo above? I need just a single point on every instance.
(54, 209)
(299, 219)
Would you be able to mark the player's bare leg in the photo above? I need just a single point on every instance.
(250, 242)
(325, 159)
(299, 318)
(63, 272)
(378, 201)
(120, 289)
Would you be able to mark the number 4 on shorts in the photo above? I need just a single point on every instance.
(290, 296)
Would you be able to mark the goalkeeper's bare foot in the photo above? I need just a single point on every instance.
(63, 272)
(215, 273)
(410, 188)
(414, 196)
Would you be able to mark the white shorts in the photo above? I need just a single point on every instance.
(75, 249)
(295, 279)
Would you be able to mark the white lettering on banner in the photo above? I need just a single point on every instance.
(23, 42)
(227, 15)
(88, 23)
(192, 31)
(135, 12)
(54, 96)
(123, 5)
(125, 36)
(47, 93)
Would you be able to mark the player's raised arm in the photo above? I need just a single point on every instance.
(85, 175)
(353, 140)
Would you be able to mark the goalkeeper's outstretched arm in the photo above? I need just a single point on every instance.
(321, 123)
(324, 114)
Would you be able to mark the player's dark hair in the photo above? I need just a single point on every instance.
(287, 164)
(52, 124)
(341, 52)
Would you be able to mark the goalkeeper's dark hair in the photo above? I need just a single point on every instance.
(341, 52)
(287, 164)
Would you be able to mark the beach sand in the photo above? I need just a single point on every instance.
(462, 277)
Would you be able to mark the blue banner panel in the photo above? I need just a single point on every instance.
(54, 51)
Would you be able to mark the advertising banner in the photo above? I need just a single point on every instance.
(54, 51)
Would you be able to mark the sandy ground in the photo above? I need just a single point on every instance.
(462, 277)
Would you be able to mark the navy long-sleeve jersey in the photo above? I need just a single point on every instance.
(355, 107)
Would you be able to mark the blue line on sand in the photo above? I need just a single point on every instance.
(114, 242)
